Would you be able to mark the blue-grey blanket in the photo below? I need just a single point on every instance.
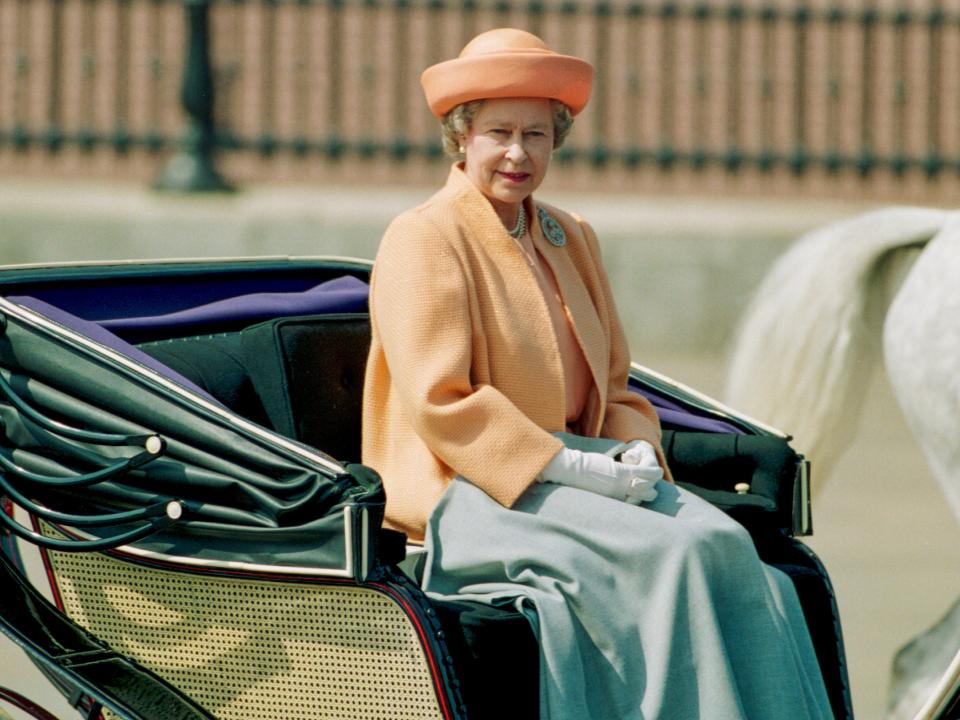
(654, 612)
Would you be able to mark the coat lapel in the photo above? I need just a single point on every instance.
(483, 226)
(586, 323)
(588, 329)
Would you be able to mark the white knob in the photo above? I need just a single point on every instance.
(742, 488)
(153, 444)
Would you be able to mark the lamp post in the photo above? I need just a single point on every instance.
(191, 169)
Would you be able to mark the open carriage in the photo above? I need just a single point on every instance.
(180, 445)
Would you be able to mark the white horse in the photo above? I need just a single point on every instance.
(806, 344)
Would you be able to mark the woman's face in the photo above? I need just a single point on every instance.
(507, 149)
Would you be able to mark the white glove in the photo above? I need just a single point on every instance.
(642, 454)
(601, 474)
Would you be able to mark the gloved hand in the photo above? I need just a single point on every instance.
(642, 454)
(602, 475)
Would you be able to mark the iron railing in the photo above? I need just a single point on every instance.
(750, 87)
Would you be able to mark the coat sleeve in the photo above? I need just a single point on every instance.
(629, 415)
(422, 312)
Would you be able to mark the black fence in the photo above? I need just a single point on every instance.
(861, 89)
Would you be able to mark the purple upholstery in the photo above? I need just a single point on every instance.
(340, 295)
(98, 334)
(673, 415)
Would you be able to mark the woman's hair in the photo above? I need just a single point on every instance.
(457, 122)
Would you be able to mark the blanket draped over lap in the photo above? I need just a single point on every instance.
(659, 611)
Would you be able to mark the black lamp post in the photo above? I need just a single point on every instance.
(191, 169)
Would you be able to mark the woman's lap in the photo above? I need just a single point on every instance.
(552, 521)
(634, 598)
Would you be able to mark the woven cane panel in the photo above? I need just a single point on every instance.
(247, 650)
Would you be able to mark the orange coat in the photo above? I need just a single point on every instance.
(464, 375)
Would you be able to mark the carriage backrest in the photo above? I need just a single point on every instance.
(300, 376)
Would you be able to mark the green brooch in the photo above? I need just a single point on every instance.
(551, 229)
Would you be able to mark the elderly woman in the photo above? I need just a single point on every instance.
(496, 351)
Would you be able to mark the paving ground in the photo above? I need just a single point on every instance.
(681, 269)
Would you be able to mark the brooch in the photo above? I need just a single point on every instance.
(551, 229)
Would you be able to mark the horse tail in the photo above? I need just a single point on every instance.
(805, 347)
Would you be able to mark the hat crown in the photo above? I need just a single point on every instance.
(507, 63)
(503, 40)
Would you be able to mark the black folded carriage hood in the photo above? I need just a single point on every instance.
(247, 495)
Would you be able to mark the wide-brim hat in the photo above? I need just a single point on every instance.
(507, 63)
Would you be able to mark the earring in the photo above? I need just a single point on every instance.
(462, 151)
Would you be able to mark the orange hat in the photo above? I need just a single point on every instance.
(507, 63)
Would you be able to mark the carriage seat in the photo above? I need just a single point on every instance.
(302, 376)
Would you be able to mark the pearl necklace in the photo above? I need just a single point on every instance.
(521, 227)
